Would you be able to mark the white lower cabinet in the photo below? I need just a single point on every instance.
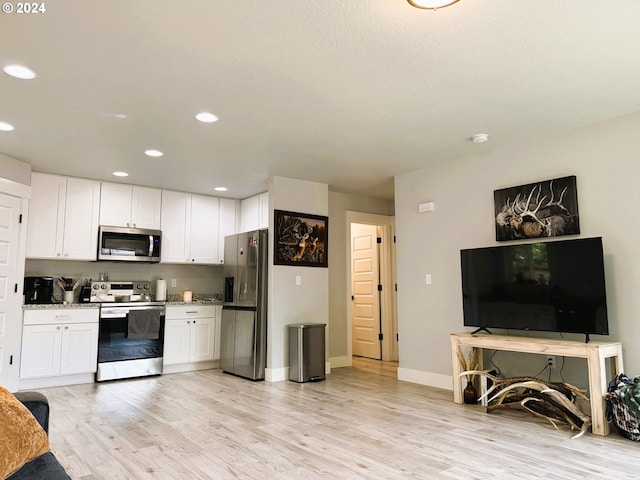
(190, 337)
(58, 343)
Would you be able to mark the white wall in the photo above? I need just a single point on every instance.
(290, 303)
(15, 170)
(603, 156)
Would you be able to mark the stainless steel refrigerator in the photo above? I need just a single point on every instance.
(243, 344)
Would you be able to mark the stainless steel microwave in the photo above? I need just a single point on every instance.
(129, 244)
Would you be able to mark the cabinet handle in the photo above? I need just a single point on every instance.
(193, 311)
(66, 327)
(194, 322)
(58, 254)
(58, 327)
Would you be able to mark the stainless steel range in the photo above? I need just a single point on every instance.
(131, 337)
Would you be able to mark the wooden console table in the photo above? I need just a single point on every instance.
(596, 354)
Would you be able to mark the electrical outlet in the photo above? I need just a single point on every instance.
(174, 283)
(551, 362)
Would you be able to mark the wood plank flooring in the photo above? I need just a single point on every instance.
(356, 424)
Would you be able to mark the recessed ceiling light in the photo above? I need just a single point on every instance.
(207, 117)
(121, 174)
(153, 153)
(432, 4)
(19, 71)
(480, 138)
(221, 189)
(6, 127)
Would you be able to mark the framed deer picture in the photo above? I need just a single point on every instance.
(300, 239)
(544, 209)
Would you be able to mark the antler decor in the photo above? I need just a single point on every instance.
(552, 401)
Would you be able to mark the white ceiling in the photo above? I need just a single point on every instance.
(343, 92)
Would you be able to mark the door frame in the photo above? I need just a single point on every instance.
(14, 330)
(387, 268)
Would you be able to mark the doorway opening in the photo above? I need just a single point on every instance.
(372, 307)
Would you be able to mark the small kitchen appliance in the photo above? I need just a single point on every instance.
(129, 244)
(38, 289)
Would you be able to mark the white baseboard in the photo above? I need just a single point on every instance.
(339, 362)
(425, 378)
(56, 381)
(276, 374)
(189, 367)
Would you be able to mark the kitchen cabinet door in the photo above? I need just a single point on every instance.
(82, 209)
(146, 207)
(254, 212)
(177, 338)
(201, 348)
(176, 226)
(190, 334)
(226, 223)
(63, 218)
(45, 229)
(130, 206)
(79, 348)
(189, 228)
(115, 204)
(41, 346)
(203, 246)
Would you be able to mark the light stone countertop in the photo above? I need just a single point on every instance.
(53, 306)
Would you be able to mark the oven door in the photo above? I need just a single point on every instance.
(130, 341)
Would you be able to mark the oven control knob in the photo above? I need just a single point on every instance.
(103, 286)
(96, 286)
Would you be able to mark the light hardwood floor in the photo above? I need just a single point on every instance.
(355, 424)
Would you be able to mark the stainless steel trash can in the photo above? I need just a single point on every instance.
(306, 352)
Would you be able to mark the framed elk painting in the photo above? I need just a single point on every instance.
(300, 239)
(543, 209)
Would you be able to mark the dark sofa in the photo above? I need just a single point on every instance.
(45, 467)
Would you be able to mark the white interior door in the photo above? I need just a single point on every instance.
(9, 320)
(365, 309)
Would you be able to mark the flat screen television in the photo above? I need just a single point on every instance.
(555, 286)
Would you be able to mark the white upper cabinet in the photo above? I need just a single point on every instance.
(205, 213)
(189, 228)
(254, 212)
(63, 218)
(227, 223)
(130, 206)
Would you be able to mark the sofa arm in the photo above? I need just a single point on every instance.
(38, 405)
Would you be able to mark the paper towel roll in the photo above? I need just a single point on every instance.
(161, 290)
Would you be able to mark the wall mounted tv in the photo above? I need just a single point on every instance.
(555, 286)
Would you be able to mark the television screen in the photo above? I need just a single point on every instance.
(553, 286)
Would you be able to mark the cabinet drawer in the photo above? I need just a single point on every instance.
(60, 315)
(190, 311)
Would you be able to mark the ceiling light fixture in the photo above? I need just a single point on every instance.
(431, 4)
(480, 138)
(6, 127)
(206, 117)
(121, 174)
(19, 71)
(221, 189)
(153, 153)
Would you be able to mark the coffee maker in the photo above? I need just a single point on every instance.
(38, 289)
